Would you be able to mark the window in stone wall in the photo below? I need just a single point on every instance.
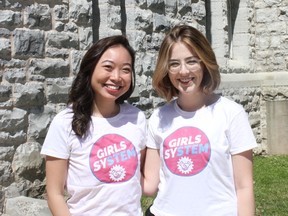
(208, 20)
(238, 35)
(232, 11)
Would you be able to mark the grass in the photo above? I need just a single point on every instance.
(271, 186)
(146, 202)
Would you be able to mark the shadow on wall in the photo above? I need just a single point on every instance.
(96, 18)
(232, 10)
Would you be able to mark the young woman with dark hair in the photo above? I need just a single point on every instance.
(94, 147)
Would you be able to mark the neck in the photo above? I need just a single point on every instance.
(105, 110)
(192, 103)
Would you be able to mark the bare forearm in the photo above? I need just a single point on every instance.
(58, 206)
(246, 203)
(150, 172)
(149, 189)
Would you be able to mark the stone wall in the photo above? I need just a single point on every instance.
(38, 61)
(264, 39)
(42, 43)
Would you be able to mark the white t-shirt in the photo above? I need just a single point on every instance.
(104, 168)
(196, 176)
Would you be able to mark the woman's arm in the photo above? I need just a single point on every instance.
(243, 177)
(56, 174)
(150, 172)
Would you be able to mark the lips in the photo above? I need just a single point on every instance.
(113, 87)
(186, 80)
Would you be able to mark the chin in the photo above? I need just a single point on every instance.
(189, 90)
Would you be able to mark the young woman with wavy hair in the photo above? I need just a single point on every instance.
(94, 147)
(199, 155)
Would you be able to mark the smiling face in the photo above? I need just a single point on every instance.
(112, 75)
(185, 70)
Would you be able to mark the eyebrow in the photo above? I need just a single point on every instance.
(112, 62)
(188, 58)
(107, 61)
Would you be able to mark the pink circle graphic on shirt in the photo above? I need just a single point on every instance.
(186, 151)
(113, 159)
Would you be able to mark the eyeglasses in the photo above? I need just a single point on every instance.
(175, 66)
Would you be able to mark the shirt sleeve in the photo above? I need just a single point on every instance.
(143, 126)
(152, 141)
(56, 140)
(240, 134)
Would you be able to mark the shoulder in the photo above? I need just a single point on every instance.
(66, 113)
(163, 110)
(60, 127)
(64, 117)
(228, 109)
(228, 105)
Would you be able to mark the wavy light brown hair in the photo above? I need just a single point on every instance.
(81, 94)
(194, 40)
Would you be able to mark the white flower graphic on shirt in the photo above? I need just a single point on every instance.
(185, 165)
(117, 173)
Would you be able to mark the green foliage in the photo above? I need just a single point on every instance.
(270, 185)
(146, 202)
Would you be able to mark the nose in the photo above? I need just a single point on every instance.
(115, 75)
(183, 69)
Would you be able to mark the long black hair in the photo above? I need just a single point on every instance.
(81, 94)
